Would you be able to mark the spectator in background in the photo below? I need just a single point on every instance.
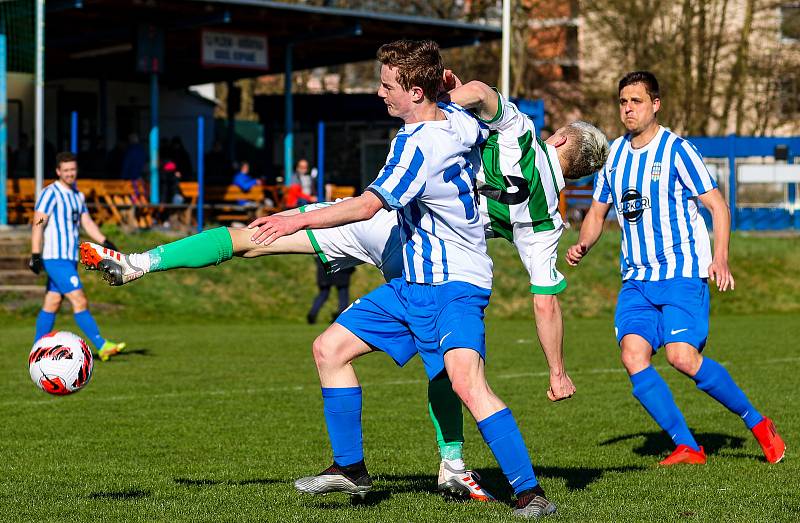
(245, 182)
(132, 166)
(340, 280)
(300, 190)
(170, 178)
(304, 176)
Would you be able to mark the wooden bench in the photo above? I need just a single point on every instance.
(109, 201)
(224, 202)
(112, 201)
(21, 198)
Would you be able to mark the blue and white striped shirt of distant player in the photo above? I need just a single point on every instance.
(64, 206)
(654, 190)
(429, 178)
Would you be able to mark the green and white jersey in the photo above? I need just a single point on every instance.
(521, 177)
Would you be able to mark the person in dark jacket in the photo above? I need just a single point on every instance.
(340, 280)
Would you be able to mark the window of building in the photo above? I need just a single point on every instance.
(790, 22)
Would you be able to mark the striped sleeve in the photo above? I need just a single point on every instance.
(602, 187)
(691, 169)
(401, 179)
(46, 202)
(82, 201)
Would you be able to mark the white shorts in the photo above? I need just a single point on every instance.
(539, 253)
(375, 241)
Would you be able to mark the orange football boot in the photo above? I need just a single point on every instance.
(771, 443)
(685, 454)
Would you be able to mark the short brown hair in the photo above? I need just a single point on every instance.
(645, 78)
(64, 157)
(418, 64)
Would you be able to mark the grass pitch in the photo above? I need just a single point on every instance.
(212, 421)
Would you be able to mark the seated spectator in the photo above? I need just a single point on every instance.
(245, 182)
(295, 197)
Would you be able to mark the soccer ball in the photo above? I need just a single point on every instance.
(60, 363)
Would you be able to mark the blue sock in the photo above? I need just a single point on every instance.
(44, 323)
(343, 416)
(501, 433)
(714, 380)
(87, 324)
(654, 395)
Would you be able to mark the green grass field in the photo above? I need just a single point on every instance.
(212, 421)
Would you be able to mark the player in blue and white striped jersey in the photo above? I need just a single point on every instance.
(653, 178)
(437, 308)
(58, 216)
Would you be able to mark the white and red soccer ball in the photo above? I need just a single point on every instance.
(60, 363)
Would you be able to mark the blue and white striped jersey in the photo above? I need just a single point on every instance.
(429, 178)
(64, 206)
(654, 190)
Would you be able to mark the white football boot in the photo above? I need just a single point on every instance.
(116, 267)
(461, 484)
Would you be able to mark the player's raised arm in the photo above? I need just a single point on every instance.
(479, 97)
(357, 209)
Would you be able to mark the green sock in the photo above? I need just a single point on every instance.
(210, 247)
(444, 408)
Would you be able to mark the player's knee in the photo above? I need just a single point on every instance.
(545, 305)
(467, 389)
(634, 360)
(326, 352)
(686, 361)
(79, 302)
(52, 302)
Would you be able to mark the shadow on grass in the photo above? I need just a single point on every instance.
(121, 495)
(339, 501)
(575, 478)
(187, 482)
(658, 443)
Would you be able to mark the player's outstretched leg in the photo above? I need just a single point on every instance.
(713, 379)
(444, 407)
(210, 247)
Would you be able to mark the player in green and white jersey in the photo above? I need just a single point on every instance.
(519, 182)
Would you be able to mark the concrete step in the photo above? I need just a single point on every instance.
(27, 290)
(13, 262)
(18, 277)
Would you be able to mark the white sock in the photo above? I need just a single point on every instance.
(141, 260)
(455, 464)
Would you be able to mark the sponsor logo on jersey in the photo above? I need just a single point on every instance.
(655, 173)
(632, 205)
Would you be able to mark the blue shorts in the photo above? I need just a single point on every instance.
(62, 276)
(403, 319)
(666, 311)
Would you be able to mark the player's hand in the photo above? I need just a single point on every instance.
(719, 272)
(270, 228)
(35, 263)
(576, 253)
(108, 244)
(561, 387)
(450, 80)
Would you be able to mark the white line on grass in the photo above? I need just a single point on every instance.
(224, 392)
